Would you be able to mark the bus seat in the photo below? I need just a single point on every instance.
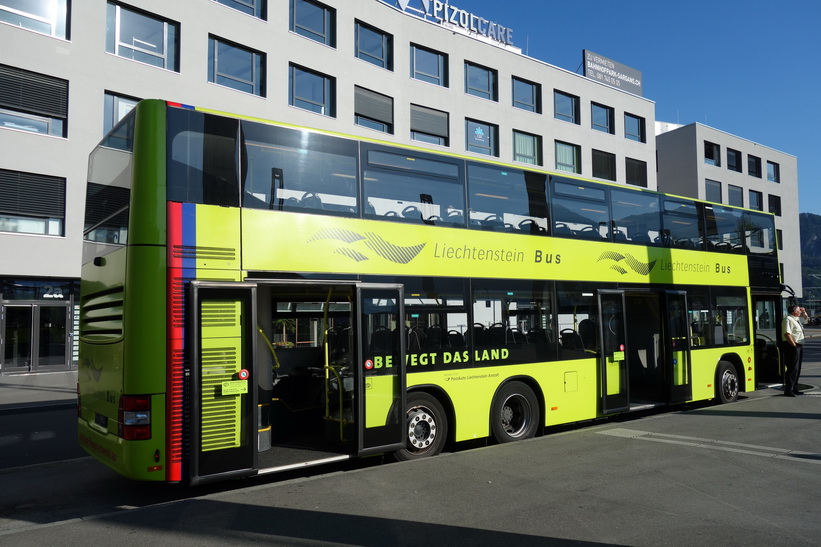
(496, 335)
(381, 341)
(571, 339)
(477, 334)
(587, 333)
(456, 339)
(434, 337)
(311, 201)
(640, 238)
(416, 339)
(562, 229)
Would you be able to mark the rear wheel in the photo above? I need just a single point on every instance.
(726, 382)
(426, 427)
(514, 414)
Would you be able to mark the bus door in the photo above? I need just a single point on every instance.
(223, 396)
(381, 412)
(676, 353)
(615, 386)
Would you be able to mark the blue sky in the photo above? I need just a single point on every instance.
(751, 68)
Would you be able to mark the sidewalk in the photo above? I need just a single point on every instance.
(44, 389)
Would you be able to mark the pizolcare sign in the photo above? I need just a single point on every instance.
(607, 71)
(447, 14)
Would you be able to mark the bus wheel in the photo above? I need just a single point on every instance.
(726, 382)
(514, 414)
(427, 427)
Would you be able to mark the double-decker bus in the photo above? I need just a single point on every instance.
(259, 297)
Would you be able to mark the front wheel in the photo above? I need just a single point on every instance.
(514, 414)
(426, 427)
(726, 382)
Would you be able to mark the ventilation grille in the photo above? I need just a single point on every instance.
(101, 316)
(183, 252)
(220, 414)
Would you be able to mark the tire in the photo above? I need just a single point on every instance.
(726, 382)
(514, 414)
(426, 427)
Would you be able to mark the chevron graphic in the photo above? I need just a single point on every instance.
(641, 268)
(376, 243)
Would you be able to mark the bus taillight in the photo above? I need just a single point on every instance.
(135, 417)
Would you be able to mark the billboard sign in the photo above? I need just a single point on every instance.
(449, 15)
(607, 71)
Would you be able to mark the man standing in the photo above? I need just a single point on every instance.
(792, 340)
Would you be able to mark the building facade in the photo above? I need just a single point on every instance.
(706, 163)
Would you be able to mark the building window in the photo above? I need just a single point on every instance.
(527, 95)
(255, 8)
(33, 102)
(733, 160)
(636, 172)
(527, 148)
(115, 108)
(712, 154)
(374, 46)
(429, 65)
(775, 204)
(481, 81)
(373, 110)
(566, 107)
(735, 195)
(773, 172)
(712, 191)
(568, 157)
(429, 125)
(314, 20)
(602, 118)
(756, 200)
(236, 67)
(634, 128)
(32, 203)
(753, 166)
(604, 165)
(142, 37)
(312, 91)
(481, 138)
(48, 17)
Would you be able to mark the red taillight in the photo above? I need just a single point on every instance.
(135, 417)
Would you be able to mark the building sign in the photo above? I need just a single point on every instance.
(447, 14)
(609, 72)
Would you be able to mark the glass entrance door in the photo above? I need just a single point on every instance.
(16, 342)
(34, 337)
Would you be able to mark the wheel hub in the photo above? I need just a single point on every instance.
(421, 428)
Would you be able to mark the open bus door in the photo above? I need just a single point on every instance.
(615, 383)
(223, 394)
(381, 412)
(677, 346)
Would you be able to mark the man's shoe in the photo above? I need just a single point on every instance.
(789, 394)
(796, 392)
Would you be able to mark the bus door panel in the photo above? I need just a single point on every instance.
(615, 384)
(381, 370)
(223, 394)
(677, 346)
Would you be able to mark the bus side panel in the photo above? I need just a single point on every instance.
(705, 362)
(570, 390)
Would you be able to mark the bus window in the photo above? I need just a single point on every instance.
(580, 210)
(731, 308)
(576, 310)
(106, 216)
(436, 323)
(636, 216)
(410, 187)
(202, 166)
(290, 170)
(513, 322)
(507, 199)
(759, 233)
(680, 225)
(723, 229)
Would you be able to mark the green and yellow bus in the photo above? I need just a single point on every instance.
(259, 297)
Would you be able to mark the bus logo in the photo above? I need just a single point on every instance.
(376, 243)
